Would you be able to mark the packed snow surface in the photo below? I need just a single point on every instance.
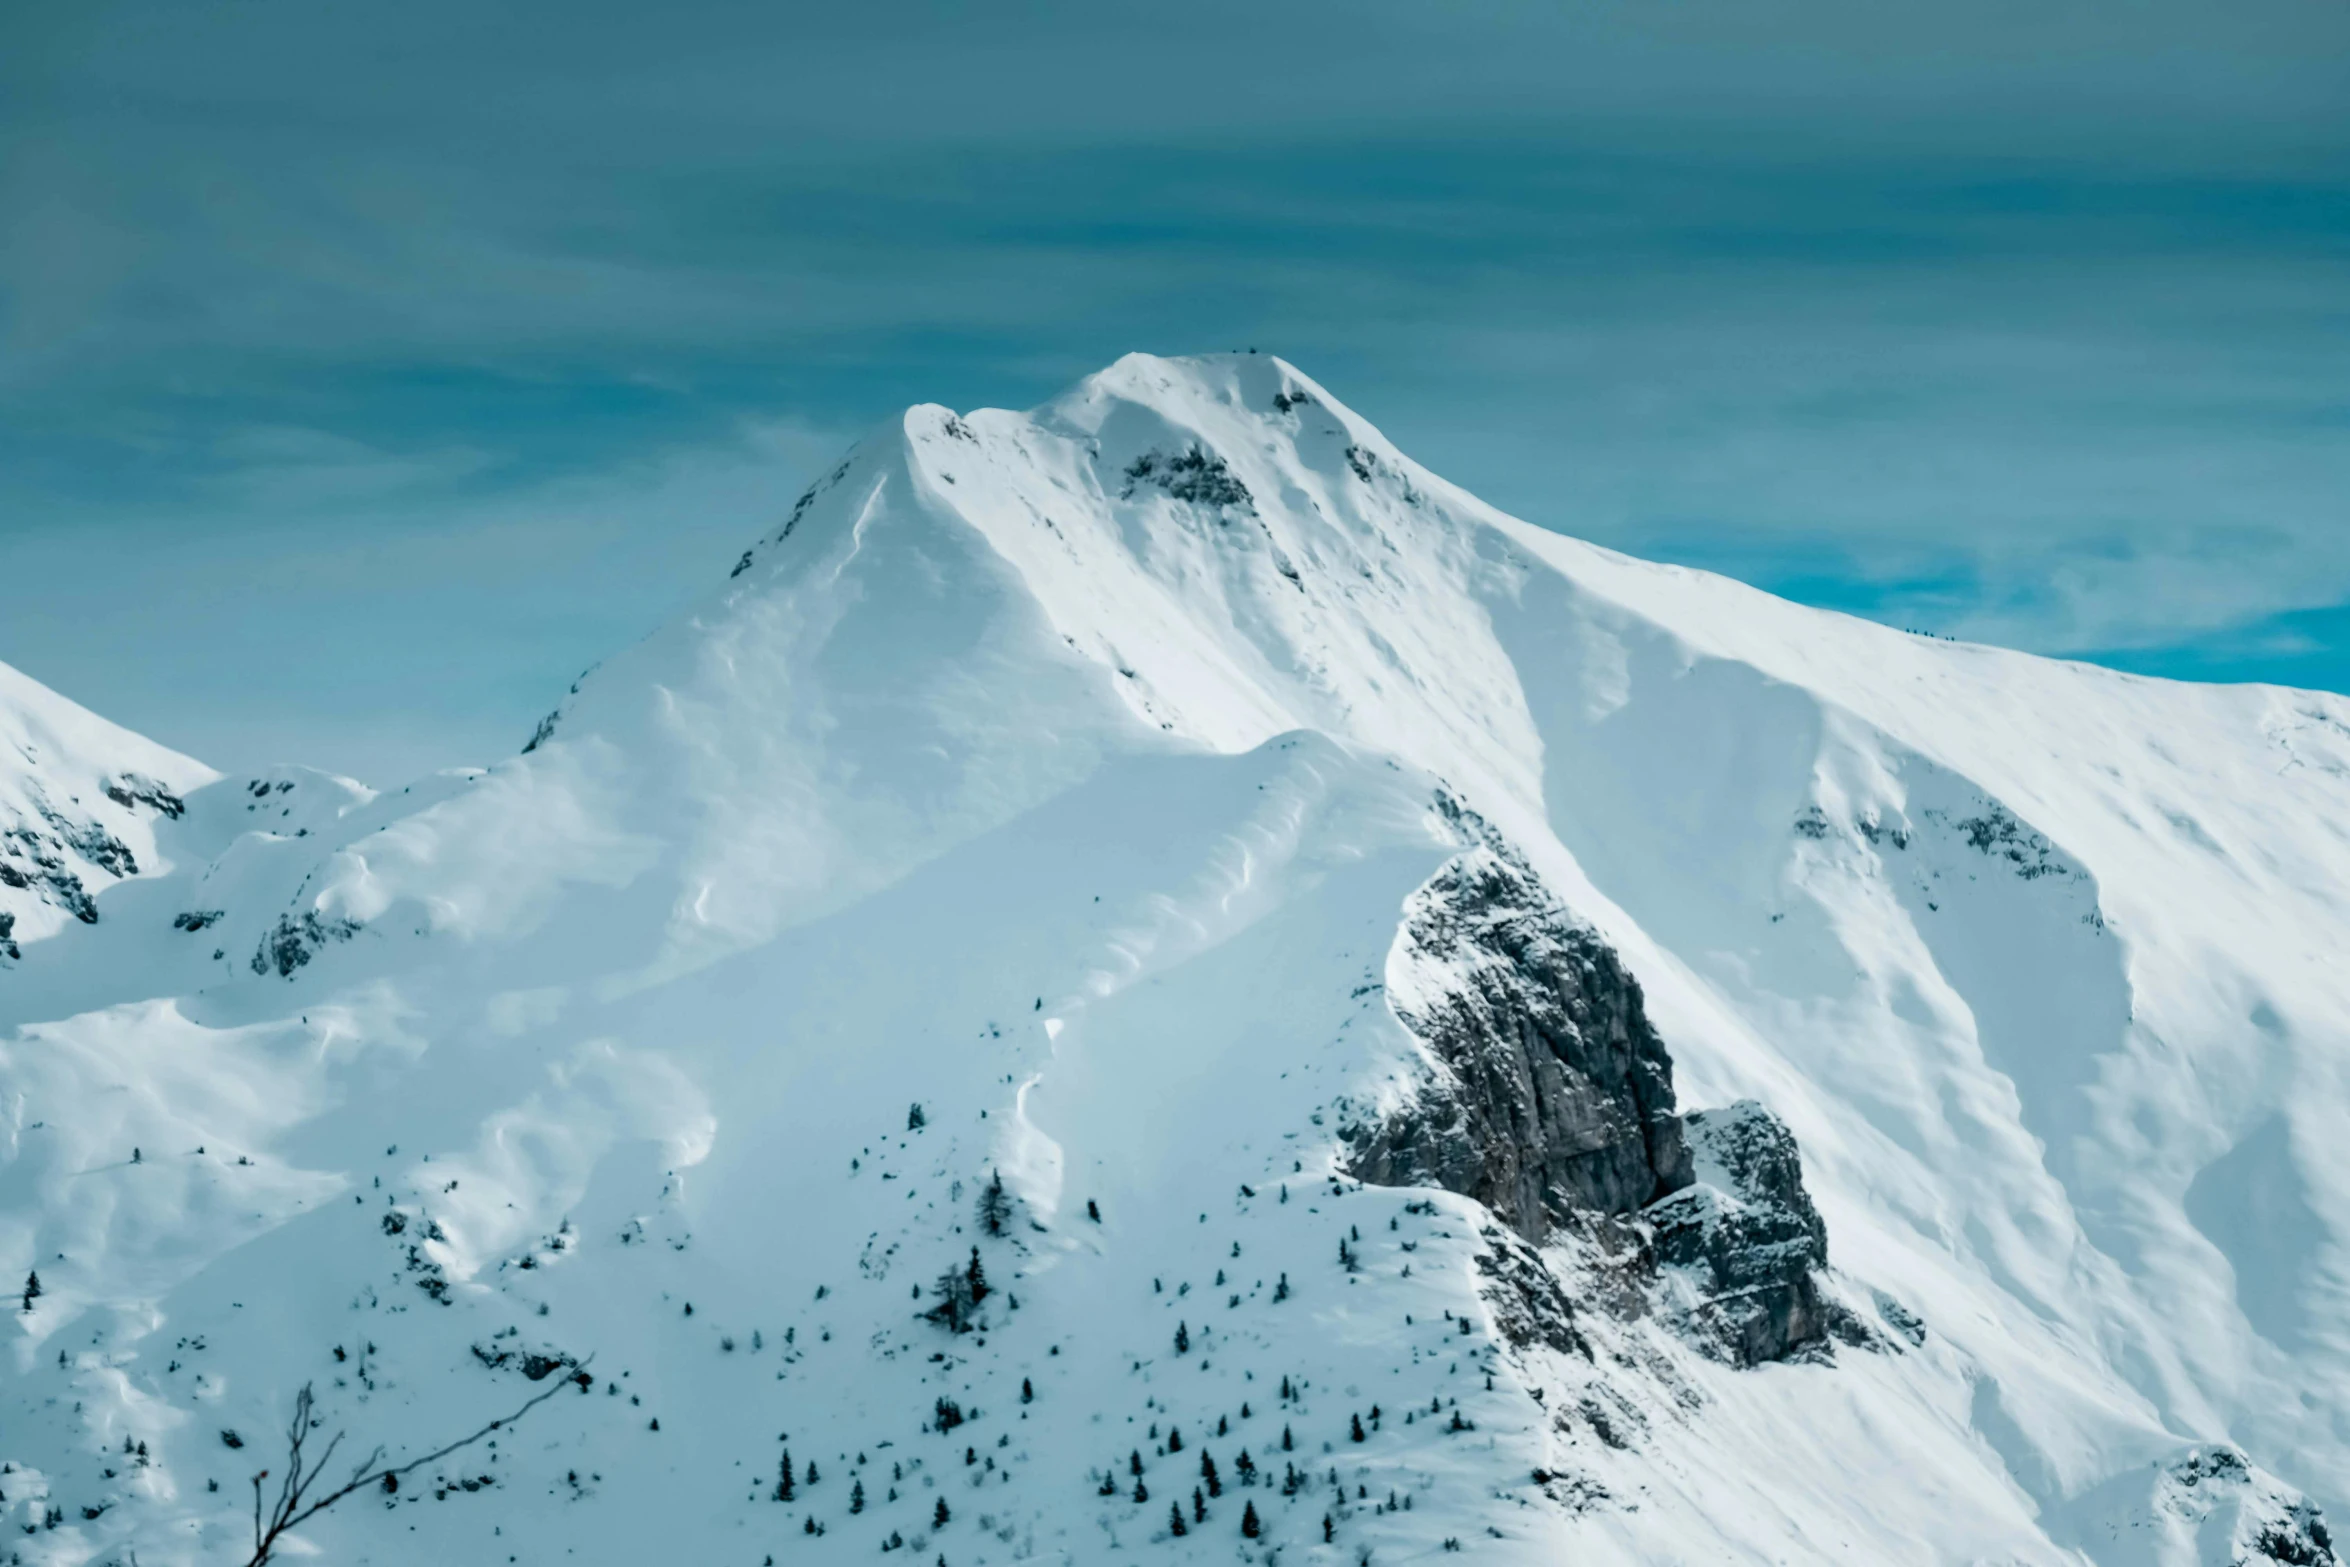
(1040, 800)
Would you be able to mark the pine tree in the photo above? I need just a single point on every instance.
(1093, 1210)
(1134, 1462)
(914, 1121)
(1142, 1493)
(32, 1289)
(1328, 1529)
(1199, 1506)
(1355, 1433)
(1182, 1338)
(938, 1520)
(1250, 1528)
(1175, 1525)
(856, 1496)
(1174, 1440)
(810, 1477)
(995, 1205)
(1281, 1290)
(783, 1480)
(1027, 1391)
(960, 1290)
(1207, 1472)
(977, 1277)
(1287, 1445)
(1109, 1484)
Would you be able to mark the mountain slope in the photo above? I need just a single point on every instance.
(1546, 1054)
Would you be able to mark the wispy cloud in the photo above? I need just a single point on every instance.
(338, 326)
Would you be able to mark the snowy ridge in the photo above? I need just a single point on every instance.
(1157, 929)
(79, 799)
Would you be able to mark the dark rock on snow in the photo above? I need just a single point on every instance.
(1554, 1097)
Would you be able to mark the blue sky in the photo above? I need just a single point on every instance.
(365, 372)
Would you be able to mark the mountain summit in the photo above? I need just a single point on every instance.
(1150, 979)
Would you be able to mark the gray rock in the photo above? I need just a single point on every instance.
(1746, 1240)
(1552, 1096)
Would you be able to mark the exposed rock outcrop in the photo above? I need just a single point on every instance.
(1550, 1100)
(1745, 1242)
(1552, 1095)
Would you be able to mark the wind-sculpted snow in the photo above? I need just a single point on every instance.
(895, 1055)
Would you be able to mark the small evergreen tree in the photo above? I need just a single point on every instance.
(1182, 1338)
(1027, 1391)
(1199, 1506)
(1250, 1528)
(1328, 1529)
(914, 1120)
(1134, 1462)
(938, 1520)
(1175, 1525)
(1207, 1472)
(1355, 1431)
(1142, 1493)
(1287, 1445)
(1174, 1440)
(1281, 1290)
(32, 1289)
(995, 1205)
(783, 1480)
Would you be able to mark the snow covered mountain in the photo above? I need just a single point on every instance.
(1150, 980)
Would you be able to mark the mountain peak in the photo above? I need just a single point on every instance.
(1156, 922)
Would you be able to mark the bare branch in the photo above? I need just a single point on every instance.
(291, 1512)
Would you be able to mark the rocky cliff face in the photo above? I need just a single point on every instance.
(1744, 1240)
(1552, 1103)
(1554, 1095)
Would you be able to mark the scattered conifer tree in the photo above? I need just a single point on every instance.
(32, 1289)
(1355, 1433)
(914, 1120)
(1175, 1525)
(1250, 1528)
(1182, 1338)
(995, 1205)
(784, 1487)
(1027, 1391)
(938, 1520)
(1207, 1472)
